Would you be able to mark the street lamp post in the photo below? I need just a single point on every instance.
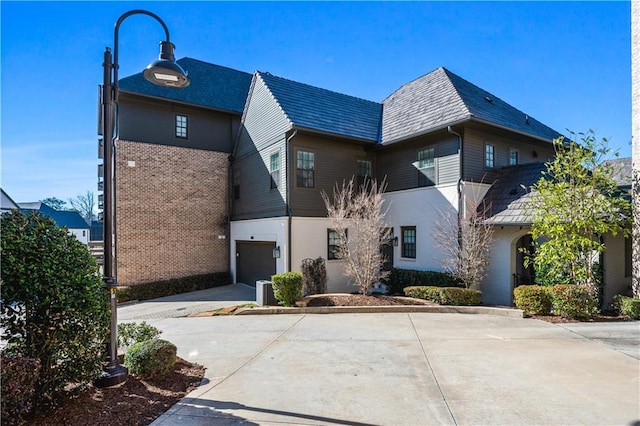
(163, 72)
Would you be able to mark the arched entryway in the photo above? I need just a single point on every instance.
(524, 274)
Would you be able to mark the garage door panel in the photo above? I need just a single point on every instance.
(254, 261)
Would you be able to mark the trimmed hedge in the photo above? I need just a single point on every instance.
(628, 306)
(153, 290)
(446, 295)
(573, 301)
(151, 358)
(533, 299)
(399, 279)
(19, 376)
(130, 333)
(287, 287)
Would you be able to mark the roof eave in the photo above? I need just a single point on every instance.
(427, 131)
(510, 129)
(339, 135)
(226, 111)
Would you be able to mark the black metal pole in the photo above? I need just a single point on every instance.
(114, 373)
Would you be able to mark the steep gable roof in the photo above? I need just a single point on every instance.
(212, 86)
(442, 98)
(313, 108)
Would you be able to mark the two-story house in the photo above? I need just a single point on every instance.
(227, 174)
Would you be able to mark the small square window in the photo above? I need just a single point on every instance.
(274, 167)
(489, 156)
(182, 126)
(408, 241)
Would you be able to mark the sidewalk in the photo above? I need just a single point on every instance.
(393, 368)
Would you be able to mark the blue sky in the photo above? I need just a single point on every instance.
(566, 64)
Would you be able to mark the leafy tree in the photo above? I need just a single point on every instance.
(574, 203)
(54, 306)
(358, 219)
(84, 204)
(55, 203)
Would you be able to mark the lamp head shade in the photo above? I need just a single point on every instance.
(165, 71)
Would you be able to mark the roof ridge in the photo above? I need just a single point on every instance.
(211, 63)
(318, 88)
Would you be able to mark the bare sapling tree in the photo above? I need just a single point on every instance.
(357, 216)
(466, 240)
(84, 204)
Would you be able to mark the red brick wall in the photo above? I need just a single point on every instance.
(171, 210)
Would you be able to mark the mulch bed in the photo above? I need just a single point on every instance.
(362, 300)
(135, 402)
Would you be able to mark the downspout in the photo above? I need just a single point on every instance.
(287, 149)
(461, 206)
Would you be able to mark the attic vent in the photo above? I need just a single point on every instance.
(526, 119)
(488, 99)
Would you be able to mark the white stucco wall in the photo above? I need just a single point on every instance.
(272, 230)
(497, 287)
(614, 260)
(420, 207)
(81, 234)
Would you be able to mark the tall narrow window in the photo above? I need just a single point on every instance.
(181, 126)
(236, 185)
(333, 242)
(489, 156)
(408, 241)
(275, 170)
(427, 167)
(364, 173)
(305, 169)
(513, 157)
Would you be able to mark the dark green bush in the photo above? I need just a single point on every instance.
(628, 306)
(533, 299)
(401, 278)
(157, 289)
(130, 333)
(460, 296)
(431, 294)
(446, 295)
(287, 287)
(55, 308)
(314, 274)
(18, 389)
(573, 301)
(151, 358)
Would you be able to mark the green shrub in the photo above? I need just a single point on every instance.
(18, 388)
(401, 278)
(151, 358)
(130, 333)
(446, 295)
(153, 290)
(573, 301)
(533, 299)
(628, 306)
(460, 296)
(314, 273)
(287, 287)
(431, 294)
(55, 308)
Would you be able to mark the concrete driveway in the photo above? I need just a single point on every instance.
(402, 369)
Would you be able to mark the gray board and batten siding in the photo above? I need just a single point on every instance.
(154, 122)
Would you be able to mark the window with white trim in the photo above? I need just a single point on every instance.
(427, 167)
(274, 167)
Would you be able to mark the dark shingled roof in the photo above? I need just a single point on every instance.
(622, 171)
(322, 110)
(212, 86)
(68, 219)
(506, 198)
(442, 98)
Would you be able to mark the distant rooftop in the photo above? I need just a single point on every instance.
(622, 171)
(68, 219)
